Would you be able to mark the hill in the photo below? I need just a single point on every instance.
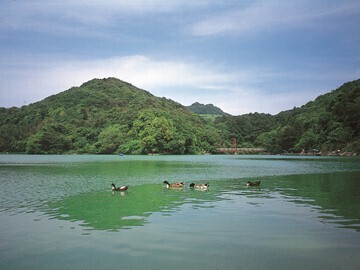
(323, 126)
(104, 116)
(329, 123)
(199, 108)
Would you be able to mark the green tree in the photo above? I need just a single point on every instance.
(288, 137)
(50, 139)
(155, 132)
(270, 141)
(111, 138)
(309, 140)
(339, 137)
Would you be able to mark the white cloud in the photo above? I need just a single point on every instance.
(236, 91)
(144, 71)
(29, 73)
(268, 15)
(179, 80)
(251, 100)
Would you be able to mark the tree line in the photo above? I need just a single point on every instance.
(106, 116)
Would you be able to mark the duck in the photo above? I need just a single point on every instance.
(174, 185)
(199, 186)
(122, 188)
(253, 184)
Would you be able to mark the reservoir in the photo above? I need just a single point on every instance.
(58, 212)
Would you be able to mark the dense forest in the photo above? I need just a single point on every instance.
(327, 124)
(105, 116)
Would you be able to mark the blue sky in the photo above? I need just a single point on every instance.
(242, 56)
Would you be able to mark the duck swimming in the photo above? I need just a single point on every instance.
(174, 185)
(199, 186)
(253, 184)
(122, 188)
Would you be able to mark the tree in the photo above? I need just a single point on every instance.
(309, 140)
(288, 137)
(339, 137)
(155, 132)
(270, 141)
(111, 138)
(50, 139)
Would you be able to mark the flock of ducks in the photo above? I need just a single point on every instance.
(179, 185)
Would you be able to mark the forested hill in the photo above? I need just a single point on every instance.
(103, 116)
(205, 109)
(329, 123)
(112, 116)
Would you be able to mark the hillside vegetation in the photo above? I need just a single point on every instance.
(329, 123)
(106, 116)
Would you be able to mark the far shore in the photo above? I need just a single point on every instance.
(264, 153)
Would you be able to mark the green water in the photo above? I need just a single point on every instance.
(58, 212)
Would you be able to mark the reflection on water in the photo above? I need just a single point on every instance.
(304, 215)
(111, 211)
(334, 197)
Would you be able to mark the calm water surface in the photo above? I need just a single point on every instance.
(58, 212)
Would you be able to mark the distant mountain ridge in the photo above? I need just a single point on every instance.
(199, 108)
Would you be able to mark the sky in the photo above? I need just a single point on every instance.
(242, 56)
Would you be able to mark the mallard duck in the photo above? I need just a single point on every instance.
(122, 188)
(199, 186)
(174, 185)
(253, 184)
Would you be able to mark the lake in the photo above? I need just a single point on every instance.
(58, 212)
